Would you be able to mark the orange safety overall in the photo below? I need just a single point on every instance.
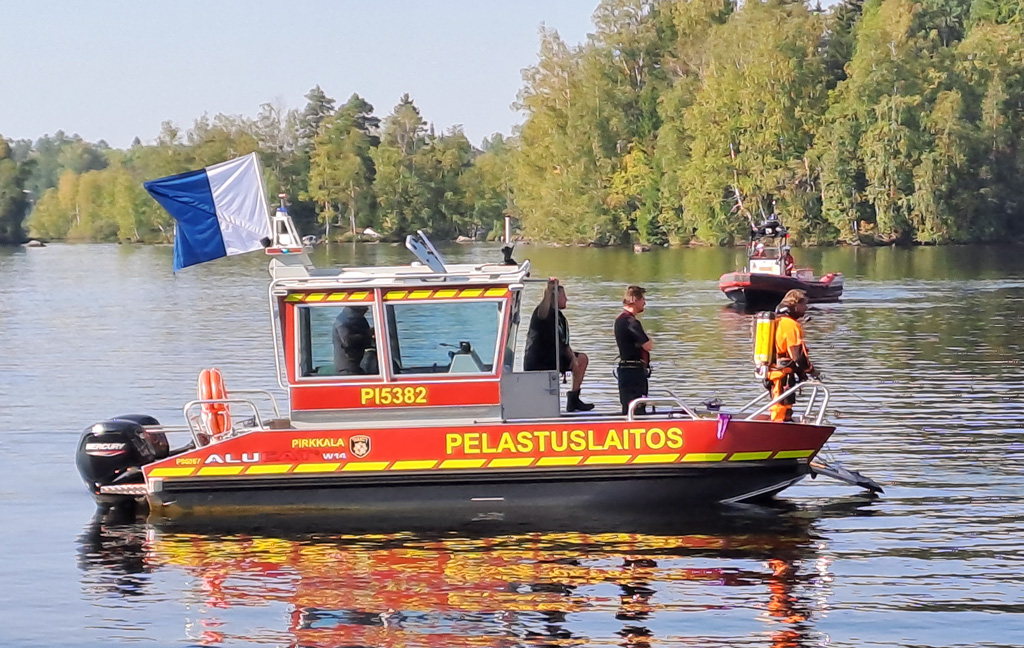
(792, 364)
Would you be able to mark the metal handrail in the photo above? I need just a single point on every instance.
(261, 392)
(814, 385)
(212, 401)
(671, 399)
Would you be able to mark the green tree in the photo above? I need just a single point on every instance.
(633, 195)
(442, 163)
(840, 38)
(560, 167)
(214, 141)
(59, 153)
(56, 210)
(14, 201)
(487, 185)
(997, 11)
(752, 122)
(890, 159)
(307, 125)
(985, 200)
(318, 108)
(401, 184)
(696, 24)
(341, 166)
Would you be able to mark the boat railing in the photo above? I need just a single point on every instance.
(195, 425)
(670, 399)
(166, 429)
(818, 401)
(260, 392)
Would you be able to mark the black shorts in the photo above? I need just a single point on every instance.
(565, 361)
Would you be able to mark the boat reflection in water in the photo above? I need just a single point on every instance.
(728, 578)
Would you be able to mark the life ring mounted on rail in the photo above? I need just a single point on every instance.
(216, 417)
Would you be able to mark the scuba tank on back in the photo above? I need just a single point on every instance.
(764, 343)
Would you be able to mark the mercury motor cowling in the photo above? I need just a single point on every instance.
(112, 452)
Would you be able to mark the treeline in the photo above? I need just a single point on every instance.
(341, 166)
(677, 121)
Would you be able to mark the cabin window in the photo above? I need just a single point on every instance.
(769, 251)
(337, 341)
(457, 337)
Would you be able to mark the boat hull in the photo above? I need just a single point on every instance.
(767, 290)
(506, 496)
(504, 469)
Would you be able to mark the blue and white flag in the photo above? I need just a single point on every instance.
(220, 210)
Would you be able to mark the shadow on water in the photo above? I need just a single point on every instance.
(481, 582)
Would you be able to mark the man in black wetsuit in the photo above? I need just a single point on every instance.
(351, 336)
(541, 349)
(634, 349)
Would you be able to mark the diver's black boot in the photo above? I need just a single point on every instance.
(574, 404)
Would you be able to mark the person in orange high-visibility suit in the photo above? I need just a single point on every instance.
(792, 364)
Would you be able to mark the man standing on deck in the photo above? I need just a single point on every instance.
(792, 365)
(788, 262)
(634, 349)
(542, 350)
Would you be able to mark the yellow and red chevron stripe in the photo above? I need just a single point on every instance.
(471, 464)
(446, 293)
(349, 296)
(331, 296)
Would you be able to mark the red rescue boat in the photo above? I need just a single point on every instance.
(770, 273)
(434, 414)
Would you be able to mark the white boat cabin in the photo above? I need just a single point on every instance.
(768, 251)
(421, 342)
(765, 258)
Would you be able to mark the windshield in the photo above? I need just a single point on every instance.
(448, 337)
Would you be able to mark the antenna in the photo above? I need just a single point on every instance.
(425, 251)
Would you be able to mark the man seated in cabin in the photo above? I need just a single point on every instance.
(759, 251)
(352, 335)
(542, 351)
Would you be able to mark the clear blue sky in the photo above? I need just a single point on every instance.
(116, 69)
(112, 70)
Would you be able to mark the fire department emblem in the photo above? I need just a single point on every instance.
(360, 445)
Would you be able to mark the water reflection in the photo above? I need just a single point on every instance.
(759, 574)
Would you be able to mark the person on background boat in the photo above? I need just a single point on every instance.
(634, 349)
(542, 349)
(759, 250)
(352, 335)
(792, 364)
(788, 262)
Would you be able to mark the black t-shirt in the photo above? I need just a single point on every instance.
(630, 337)
(351, 336)
(540, 342)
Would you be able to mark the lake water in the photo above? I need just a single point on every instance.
(923, 356)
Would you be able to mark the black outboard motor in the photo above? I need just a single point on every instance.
(113, 451)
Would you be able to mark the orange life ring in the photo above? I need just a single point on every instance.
(216, 416)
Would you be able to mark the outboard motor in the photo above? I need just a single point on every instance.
(113, 451)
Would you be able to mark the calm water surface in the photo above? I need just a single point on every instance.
(924, 356)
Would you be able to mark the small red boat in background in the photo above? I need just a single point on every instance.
(770, 272)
